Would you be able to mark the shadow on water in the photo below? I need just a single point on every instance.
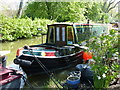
(44, 81)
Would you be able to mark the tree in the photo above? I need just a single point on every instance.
(92, 11)
(103, 12)
(20, 9)
(106, 7)
(59, 11)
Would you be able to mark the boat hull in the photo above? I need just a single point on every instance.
(15, 84)
(52, 64)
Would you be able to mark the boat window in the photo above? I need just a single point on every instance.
(63, 33)
(51, 36)
(80, 29)
(94, 33)
(70, 35)
(58, 33)
(86, 28)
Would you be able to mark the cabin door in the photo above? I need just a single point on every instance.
(70, 35)
(60, 35)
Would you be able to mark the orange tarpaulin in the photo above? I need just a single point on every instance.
(86, 55)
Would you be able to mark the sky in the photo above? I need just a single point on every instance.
(10, 4)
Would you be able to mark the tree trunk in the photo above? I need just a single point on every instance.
(20, 9)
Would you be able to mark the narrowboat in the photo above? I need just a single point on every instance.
(9, 78)
(60, 51)
(87, 31)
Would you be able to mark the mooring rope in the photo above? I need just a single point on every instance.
(46, 70)
(28, 83)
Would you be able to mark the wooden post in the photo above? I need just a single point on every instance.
(42, 38)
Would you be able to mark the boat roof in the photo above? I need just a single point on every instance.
(61, 23)
(4, 70)
(67, 23)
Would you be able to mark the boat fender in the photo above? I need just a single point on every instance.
(22, 62)
(26, 47)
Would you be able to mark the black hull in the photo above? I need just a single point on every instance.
(52, 64)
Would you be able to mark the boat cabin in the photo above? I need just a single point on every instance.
(61, 34)
(87, 31)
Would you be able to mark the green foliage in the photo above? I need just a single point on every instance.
(72, 11)
(93, 11)
(106, 68)
(68, 11)
(13, 29)
(59, 11)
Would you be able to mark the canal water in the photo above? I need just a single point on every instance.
(37, 81)
(13, 46)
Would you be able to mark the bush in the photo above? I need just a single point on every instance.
(13, 28)
(105, 50)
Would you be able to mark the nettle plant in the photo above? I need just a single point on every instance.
(105, 51)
